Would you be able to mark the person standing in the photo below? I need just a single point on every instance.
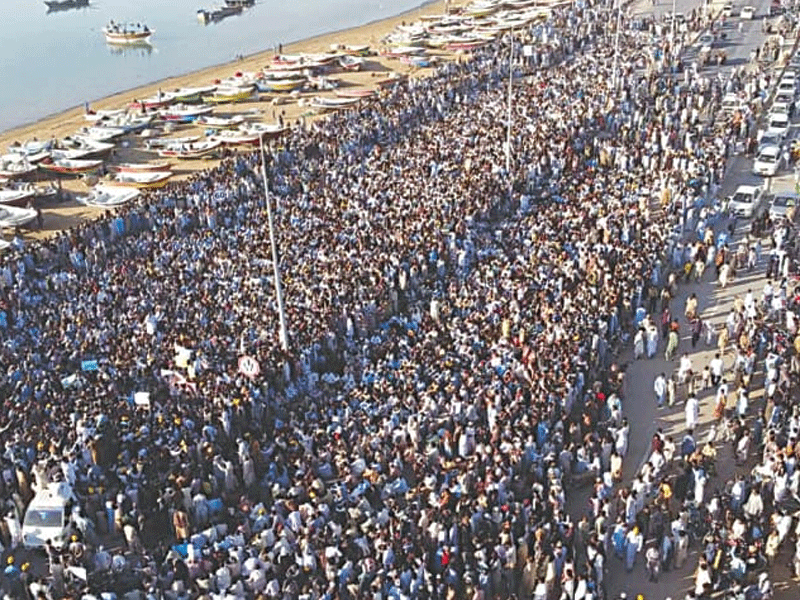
(691, 412)
(660, 389)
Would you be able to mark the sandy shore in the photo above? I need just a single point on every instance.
(65, 215)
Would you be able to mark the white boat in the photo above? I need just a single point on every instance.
(103, 196)
(220, 122)
(159, 165)
(31, 147)
(134, 179)
(14, 168)
(95, 115)
(15, 216)
(351, 63)
(16, 197)
(126, 33)
(101, 134)
(71, 166)
(155, 143)
(188, 151)
(15, 157)
(80, 143)
(127, 122)
(321, 104)
(183, 113)
(263, 129)
(191, 94)
(235, 137)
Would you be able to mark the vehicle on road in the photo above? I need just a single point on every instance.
(705, 42)
(768, 161)
(778, 123)
(47, 516)
(769, 139)
(784, 204)
(748, 12)
(727, 9)
(746, 201)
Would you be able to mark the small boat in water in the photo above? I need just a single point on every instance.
(108, 196)
(140, 180)
(56, 5)
(217, 14)
(159, 165)
(126, 33)
(15, 216)
(68, 166)
(193, 150)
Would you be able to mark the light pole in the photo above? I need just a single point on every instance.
(284, 337)
(615, 75)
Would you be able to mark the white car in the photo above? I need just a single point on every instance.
(787, 86)
(745, 200)
(705, 42)
(748, 12)
(731, 103)
(781, 108)
(768, 161)
(783, 205)
(727, 10)
(778, 123)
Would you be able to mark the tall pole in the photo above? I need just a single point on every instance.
(508, 128)
(284, 337)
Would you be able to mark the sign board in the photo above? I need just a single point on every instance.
(527, 50)
(88, 365)
(249, 366)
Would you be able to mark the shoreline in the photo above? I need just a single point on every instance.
(301, 45)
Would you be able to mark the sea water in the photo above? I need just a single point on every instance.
(52, 61)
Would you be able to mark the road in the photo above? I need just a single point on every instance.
(714, 303)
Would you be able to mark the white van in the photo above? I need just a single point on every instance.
(47, 516)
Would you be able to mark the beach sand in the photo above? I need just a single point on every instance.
(67, 214)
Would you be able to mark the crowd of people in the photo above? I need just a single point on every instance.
(454, 330)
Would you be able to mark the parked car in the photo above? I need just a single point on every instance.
(768, 161)
(746, 201)
(727, 9)
(778, 123)
(748, 12)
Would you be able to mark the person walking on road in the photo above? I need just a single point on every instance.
(660, 389)
(691, 413)
(672, 345)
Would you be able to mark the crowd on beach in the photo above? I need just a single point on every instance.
(453, 367)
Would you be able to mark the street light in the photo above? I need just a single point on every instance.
(616, 46)
(508, 128)
(284, 337)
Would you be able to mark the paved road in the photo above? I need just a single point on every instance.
(715, 303)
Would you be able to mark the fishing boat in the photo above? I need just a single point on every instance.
(243, 3)
(321, 105)
(56, 5)
(355, 92)
(101, 134)
(160, 100)
(182, 113)
(234, 137)
(30, 148)
(15, 216)
(92, 148)
(391, 80)
(95, 115)
(156, 143)
(358, 50)
(193, 150)
(103, 196)
(159, 165)
(15, 197)
(67, 166)
(284, 85)
(15, 168)
(223, 95)
(348, 62)
(221, 122)
(191, 94)
(466, 46)
(139, 180)
(217, 14)
(126, 33)
(263, 129)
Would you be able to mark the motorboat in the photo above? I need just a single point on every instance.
(101, 134)
(15, 167)
(93, 116)
(15, 197)
(16, 157)
(57, 5)
(192, 150)
(126, 33)
(149, 179)
(215, 15)
(90, 147)
(160, 165)
(160, 100)
(30, 148)
(156, 143)
(320, 104)
(191, 94)
(103, 196)
(15, 216)
(284, 85)
(68, 166)
(220, 122)
(348, 62)
(234, 94)
(183, 113)
(355, 92)
(235, 137)
(263, 129)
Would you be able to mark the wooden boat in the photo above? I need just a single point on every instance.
(160, 100)
(126, 33)
(284, 85)
(321, 104)
(31, 147)
(193, 150)
(355, 92)
(184, 114)
(10, 196)
(358, 50)
(156, 143)
(15, 169)
(92, 148)
(139, 180)
(217, 14)
(222, 95)
(263, 129)
(95, 115)
(57, 5)
(101, 134)
(235, 137)
(191, 94)
(221, 122)
(349, 62)
(108, 196)
(466, 46)
(391, 80)
(16, 157)
(159, 165)
(14, 216)
(70, 166)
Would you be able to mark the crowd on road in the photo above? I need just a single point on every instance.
(453, 365)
